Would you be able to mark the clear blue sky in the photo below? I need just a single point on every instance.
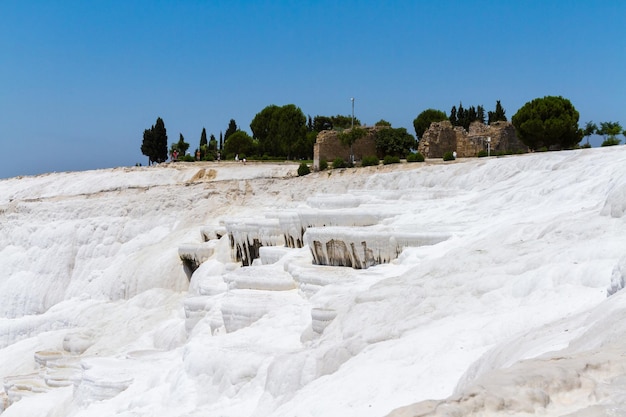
(81, 80)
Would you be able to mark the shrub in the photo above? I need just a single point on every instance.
(482, 153)
(187, 158)
(391, 160)
(448, 156)
(323, 164)
(368, 161)
(339, 163)
(208, 157)
(611, 142)
(303, 169)
(415, 157)
(586, 146)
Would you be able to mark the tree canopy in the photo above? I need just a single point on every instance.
(425, 118)
(590, 129)
(203, 138)
(497, 115)
(154, 144)
(464, 117)
(550, 122)
(232, 128)
(610, 129)
(339, 121)
(394, 142)
(181, 145)
(239, 143)
(281, 131)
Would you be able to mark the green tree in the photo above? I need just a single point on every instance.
(203, 139)
(383, 122)
(232, 128)
(497, 115)
(304, 148)
(471, 116)
(239, 143)
(212, 143)
(309, 124)
(464, 117)
(344, 122)
(461, 115)
(264, 128)
(453, 117)
(204, 144)
(349, 136)
(480, 114)
(154, 144)
(550, 122)
(425, 118)
(291, 129)
(394, 142)
(321, 123)
(590, 129)
(281, 131)
(610, 129)
(182, 146)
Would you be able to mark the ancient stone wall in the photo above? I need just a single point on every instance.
(442, 137)
(327, 146)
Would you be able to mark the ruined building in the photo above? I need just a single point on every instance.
(327, 146)
(442, 137)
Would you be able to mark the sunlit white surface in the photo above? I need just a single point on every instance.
(510, 313)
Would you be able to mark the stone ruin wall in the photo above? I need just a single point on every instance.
(442, 137)
(327, 146)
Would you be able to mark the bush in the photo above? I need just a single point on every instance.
(415, 157)
(208, 157)
(448, 156)
(391, 160)
(586, 146)
(369, 161)
(323, 164)
(482, 153)
(611, 142)
(339, 163)
(303, 169)
(187, 158)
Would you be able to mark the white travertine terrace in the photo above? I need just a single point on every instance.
(249, 234)
(363, 247)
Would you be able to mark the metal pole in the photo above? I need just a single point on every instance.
(352, 99)
(352, 127)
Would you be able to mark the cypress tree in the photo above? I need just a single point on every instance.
(480, 114)
(203, 144)
(453, 118)
(498, 114)
(203, 139)
(471, 116)
(212, 143)
(154, 144)
(232, 128)
(460, 115)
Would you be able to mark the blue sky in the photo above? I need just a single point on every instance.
(81, 80)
